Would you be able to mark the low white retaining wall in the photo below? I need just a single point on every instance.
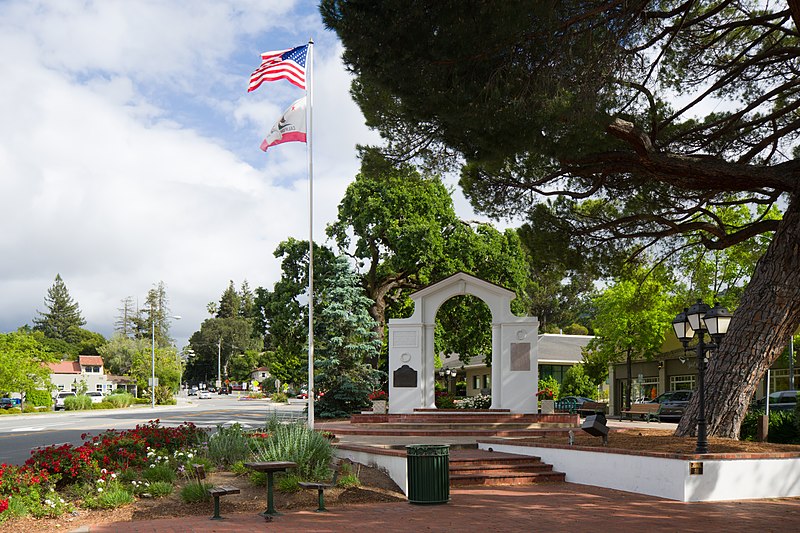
(724, 476)
(390, 461)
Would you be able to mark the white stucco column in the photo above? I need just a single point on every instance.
(497, 368)
(426, 377)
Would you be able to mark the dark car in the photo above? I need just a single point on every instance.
(579, 400)
(8, 403)
(784, 400)
(673, 404)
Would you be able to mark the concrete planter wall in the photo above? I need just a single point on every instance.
(687, 478)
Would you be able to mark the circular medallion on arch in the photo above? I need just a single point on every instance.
(405, 357)
(521, 334)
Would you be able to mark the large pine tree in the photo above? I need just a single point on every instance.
(63, 319)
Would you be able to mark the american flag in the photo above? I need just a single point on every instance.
(287, 64)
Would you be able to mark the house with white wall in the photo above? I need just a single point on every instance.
(69, 375)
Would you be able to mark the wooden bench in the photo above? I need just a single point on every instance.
(592, 408)
(645, 411)
(321, 487)
(215, 492)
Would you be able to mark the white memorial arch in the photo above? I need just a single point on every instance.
(514, 348)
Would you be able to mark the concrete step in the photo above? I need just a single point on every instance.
(466, 425)
(375, 430)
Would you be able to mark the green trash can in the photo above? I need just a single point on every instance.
(428, 470)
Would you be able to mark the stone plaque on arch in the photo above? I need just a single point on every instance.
(405, 376)
(520, 356)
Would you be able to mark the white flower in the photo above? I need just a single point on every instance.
(152, 466)
(190, 455)
(113, 475)
(99, 489)
(48, 502)
(101, 480)
(104, 471)
(61, 500)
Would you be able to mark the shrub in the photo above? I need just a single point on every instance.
(13, 411)
(782, 427)
(29, 409)
(288, 483)
(195, 491)
(77, 403)
(159, 489)
(228, 445)
(577, 383)
(39, 398)
(475, 402)
(120, 399)
(160, 472)
(297, 443)
(279, 397)
(109, 496)
(445, 400)
(347, 477)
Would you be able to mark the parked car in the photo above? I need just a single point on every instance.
(8, 403)
(59, 403)
(673, 404)
(784, 400)
(193, 391)
(204, 395)
(96, 396)
(579, 400)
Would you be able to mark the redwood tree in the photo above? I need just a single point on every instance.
(634, 118)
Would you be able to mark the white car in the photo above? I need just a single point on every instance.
(204, 395)
(96, 396)
(59, 400)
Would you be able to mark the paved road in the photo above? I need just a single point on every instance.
(20, 433)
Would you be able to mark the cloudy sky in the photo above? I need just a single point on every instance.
(129, 151)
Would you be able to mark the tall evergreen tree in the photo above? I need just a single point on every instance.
(63, 317)
(346, 345)
(156, 310)
(125, 324)
(230, 303)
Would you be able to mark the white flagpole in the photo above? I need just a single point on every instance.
(309, 97)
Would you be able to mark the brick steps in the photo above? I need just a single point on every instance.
(479, 468)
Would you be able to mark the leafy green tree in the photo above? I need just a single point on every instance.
(633, 316)
(120, 351)
(282, 313)
(569, 100)
(347, 343)
(577, 383)
(394, 222)
(22, 361)
(167, 369)
(243, 364)
(218, 342)
(63, 316)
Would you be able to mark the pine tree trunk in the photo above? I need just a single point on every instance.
(768, 314)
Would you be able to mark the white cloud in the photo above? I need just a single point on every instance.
(129, 151)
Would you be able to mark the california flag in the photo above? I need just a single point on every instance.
(290, 127)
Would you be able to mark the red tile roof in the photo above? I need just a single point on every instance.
(90, 360)
(65, 367)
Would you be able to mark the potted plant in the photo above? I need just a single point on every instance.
(545, 397)
(379, 399)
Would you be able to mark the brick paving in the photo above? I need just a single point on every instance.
(547, 507)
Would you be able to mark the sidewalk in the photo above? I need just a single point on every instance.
(547, 507)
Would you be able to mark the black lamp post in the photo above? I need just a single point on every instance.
(701, 319)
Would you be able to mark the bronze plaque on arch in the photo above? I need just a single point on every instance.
(405, 376)
(520, 356)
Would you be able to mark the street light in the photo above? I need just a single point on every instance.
(153, 356)
(700, 319)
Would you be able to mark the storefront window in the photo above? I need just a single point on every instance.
(682, 382)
